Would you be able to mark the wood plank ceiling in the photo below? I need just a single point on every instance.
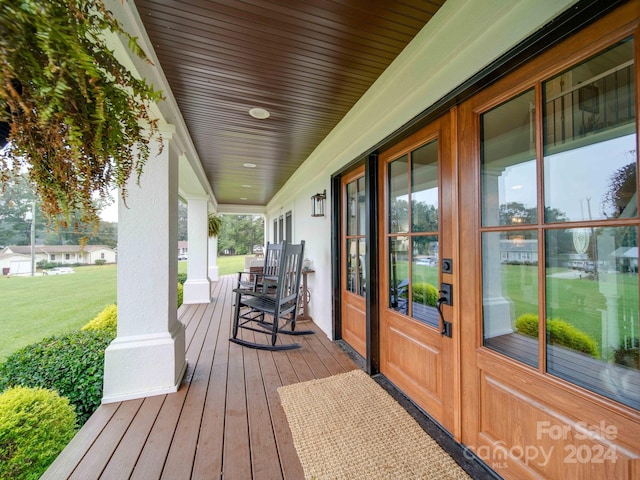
(307, 62)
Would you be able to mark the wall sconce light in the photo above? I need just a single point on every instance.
(317, 204)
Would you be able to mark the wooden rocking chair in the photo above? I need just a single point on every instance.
(275, 295)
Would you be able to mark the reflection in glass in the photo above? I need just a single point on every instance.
(590, 139)
(592, 310)
(509, 163)
(351, 264)
(362, 215)
(510, 294)
(352, 211)
(399, 274)
(362, 256)
(399, 195)
(424, 188)
(424, 279)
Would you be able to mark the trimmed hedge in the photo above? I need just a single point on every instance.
(35, 426)
(72, 364)
(559, 332)
(106, 321)
(425, 293)
(180, 294)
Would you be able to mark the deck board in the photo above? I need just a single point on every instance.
(225, 421)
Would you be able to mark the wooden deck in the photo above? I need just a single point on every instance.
(225, 421)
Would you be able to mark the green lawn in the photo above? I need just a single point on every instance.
(33, 308)
(226, 265)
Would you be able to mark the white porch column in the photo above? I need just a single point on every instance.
(214, 276)
(197, 288)
(148, 355)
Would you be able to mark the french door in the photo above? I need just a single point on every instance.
(354, 282)
(416, 215)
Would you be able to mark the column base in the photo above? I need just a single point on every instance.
(197, 291)
(214, 274)
(498, 309)
(144, 365)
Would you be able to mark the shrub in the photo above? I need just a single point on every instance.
(100, 261)
(559, 332)
(35, 425)
(107, 321)
(425, 293)
(72, 364)
(527, 324)
(180, 294)
(182, 277)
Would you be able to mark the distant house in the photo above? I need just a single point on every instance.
(183, 249)
(63, 254)
(12, 262)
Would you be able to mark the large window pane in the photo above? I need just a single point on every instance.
(352, 265)
(509, 163)
(424, 284)
(399, 274)
(424, 188)
(592, 310)
(510, 293)
(590, 139)
(399, 195)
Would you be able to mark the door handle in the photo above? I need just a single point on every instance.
(446, 297)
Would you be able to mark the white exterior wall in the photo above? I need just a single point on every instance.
(462, 38)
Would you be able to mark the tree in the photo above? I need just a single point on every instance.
(79, 120)
(239, 233)
(622, 189)
(183, 225)
(15, 204)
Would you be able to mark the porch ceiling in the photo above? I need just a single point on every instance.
(306, 62)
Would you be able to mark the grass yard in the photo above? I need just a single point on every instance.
(32, 308)
(226, 264)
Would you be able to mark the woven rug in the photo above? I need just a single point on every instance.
(348, 427)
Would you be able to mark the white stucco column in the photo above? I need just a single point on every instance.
(214, 275)
(197, 288)
(148, 355)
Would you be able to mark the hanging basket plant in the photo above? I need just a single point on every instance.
(215, 225)
(78, 120)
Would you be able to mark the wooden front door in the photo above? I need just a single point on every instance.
(416, 218)
(354, 243)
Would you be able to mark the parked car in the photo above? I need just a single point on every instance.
(59, 271)
(182, 256)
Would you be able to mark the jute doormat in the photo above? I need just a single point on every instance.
(348, 427)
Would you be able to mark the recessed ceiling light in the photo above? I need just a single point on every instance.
(250, 165)
(259, 113)
(243, 198)
(246, 186)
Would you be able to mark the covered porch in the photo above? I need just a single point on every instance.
(226, 420)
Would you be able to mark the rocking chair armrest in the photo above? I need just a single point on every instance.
(251, 293)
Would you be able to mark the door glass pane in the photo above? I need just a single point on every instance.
(424, 188)
(510, 293)
(362, 256)
(399, 195)
(352, 208)
(590, 139)
(592, 310)
(424, 284)
(399, 274)
(362, 216)
(508, 158)
(352, 265)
